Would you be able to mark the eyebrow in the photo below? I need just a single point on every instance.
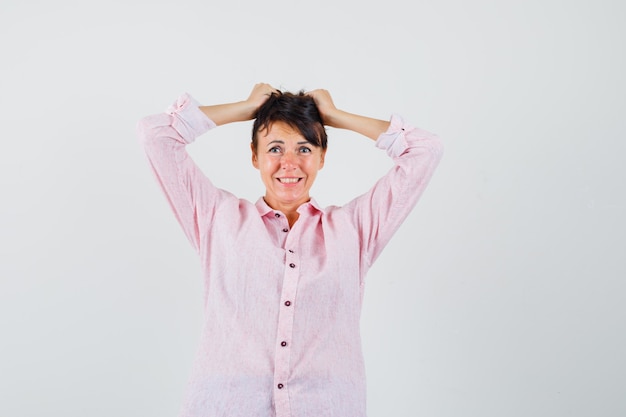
(283, 142)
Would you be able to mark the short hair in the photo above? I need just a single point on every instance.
(298, 111)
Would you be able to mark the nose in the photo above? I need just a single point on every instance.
(288, 161)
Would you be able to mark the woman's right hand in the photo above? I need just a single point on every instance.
(259, 95)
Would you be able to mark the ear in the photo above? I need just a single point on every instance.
(322, 156)
(255, 160)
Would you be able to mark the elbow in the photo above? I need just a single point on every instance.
(437, 147)
(147, 129)
(430, 144)
(143, 129)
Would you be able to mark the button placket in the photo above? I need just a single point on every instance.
(282, 371)
(280, 224)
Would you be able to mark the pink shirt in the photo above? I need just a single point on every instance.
(282, 306)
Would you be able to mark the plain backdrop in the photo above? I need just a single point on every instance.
(502, 294)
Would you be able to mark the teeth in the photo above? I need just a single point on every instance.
(289, 180)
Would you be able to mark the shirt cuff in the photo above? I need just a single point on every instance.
(394, 139)
(188, 120)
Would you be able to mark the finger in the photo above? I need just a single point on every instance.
(271, 90)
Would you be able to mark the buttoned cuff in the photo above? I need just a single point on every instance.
(188, 120)
(394, 140)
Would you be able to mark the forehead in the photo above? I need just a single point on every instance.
(279, 131)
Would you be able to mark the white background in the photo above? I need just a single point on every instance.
(501, 295)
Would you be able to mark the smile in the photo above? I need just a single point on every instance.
(288, 180)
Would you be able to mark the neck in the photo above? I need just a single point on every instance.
(289, 210)
(292, 217)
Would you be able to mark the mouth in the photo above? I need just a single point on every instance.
(289, 180)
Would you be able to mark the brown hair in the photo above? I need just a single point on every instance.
(298, 111)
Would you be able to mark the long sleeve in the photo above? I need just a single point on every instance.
(191, 195)
(378, 213)
(281, 335)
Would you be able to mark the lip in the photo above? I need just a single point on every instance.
(291, 182)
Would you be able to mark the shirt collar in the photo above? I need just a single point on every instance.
(264, 209)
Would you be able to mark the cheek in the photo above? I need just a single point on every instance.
(315, 165)
(268, 166)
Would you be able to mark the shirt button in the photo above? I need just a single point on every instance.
(290, 251)
(277, 215)
(292, 265)
(280, 386)
(287, 303)
(283, 344)
(285, 230)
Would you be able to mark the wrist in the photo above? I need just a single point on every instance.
(244, 110)
(221, 114)
(337, 119)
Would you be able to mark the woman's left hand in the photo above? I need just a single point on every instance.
(333, 117)
(325, 105)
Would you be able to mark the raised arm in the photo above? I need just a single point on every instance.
(333, 117)
(378, 213)
(239, 111)
(191, 195)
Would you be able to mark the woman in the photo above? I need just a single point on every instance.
(284, 277)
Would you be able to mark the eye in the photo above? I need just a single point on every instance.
(275, 149)
(305, 149)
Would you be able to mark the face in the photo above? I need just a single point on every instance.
(288, 165)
